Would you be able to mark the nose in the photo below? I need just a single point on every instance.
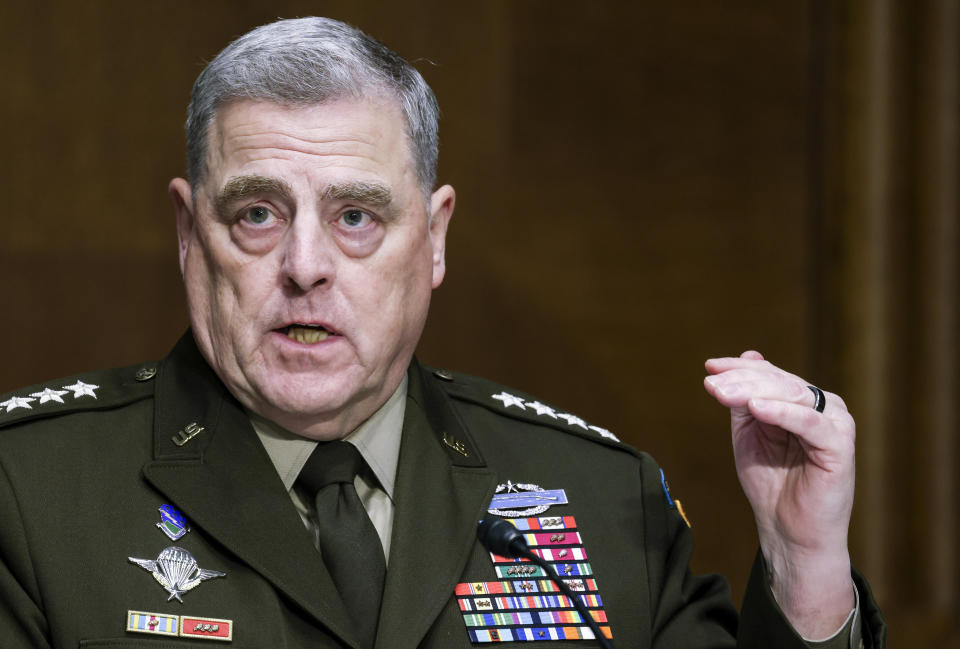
(308, 254)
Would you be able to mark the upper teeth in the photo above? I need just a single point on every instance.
(308, 335)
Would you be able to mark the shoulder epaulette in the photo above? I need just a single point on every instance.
(99, 390)
(520, 405)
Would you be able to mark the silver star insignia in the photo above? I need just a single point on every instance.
(81, 389)
(542, 409)
(17, 402)
(605, 433)
(509, 400)
(573, 420)
(50, 395)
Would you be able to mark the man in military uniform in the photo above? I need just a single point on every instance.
(291, 477)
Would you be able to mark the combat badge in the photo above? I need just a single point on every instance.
(514, 499)
(172, 522)
(176, 570)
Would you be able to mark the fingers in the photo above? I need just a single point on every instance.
(747, 360)
(735, 381)
(836, 433)
(734, 387)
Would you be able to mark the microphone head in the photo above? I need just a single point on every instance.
(501, 537)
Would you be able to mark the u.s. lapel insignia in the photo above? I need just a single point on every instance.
(517, 499)
(455, 444)
(176, 570)
(172, 522)
(188, 432)
(153, 623)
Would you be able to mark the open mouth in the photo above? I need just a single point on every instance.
(305, 333)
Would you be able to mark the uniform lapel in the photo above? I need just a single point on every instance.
(223, 480)
(440, 495)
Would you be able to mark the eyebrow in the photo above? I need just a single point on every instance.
(373, 194)
(241, 187)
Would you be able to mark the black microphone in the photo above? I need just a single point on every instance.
(501, 537)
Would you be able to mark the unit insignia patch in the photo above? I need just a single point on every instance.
(666, 488)
(673, 502)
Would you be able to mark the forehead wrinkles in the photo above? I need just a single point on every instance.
(245, 134)
(260, 145)
(287, 130)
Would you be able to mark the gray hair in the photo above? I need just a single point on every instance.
(308, 61)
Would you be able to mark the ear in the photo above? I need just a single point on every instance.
(441, 209)
(182, 197)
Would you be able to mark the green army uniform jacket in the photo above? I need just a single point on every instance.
(87, 462)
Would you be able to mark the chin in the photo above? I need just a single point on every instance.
(308, 396)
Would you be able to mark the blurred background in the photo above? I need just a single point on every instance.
(641, 186)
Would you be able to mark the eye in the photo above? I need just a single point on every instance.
(258, 215)
(355, 218)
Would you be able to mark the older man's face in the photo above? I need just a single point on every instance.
(309, 256)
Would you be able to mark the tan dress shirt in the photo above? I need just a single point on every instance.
(377, 439)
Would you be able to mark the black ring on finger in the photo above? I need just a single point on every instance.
(819, 398)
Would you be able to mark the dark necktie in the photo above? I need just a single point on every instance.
(348, 540)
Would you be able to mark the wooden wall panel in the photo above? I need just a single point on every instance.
(888, 326)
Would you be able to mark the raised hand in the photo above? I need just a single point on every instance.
(796, 467)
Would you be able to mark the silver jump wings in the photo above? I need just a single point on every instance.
(176, 570)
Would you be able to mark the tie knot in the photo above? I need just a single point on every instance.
(331, 462)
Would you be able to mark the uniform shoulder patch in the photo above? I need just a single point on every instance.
(90, 391)
(674, 503)
(516, 404)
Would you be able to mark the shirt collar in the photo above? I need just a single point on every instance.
(377, 439)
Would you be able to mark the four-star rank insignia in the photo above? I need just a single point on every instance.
(172, 522)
